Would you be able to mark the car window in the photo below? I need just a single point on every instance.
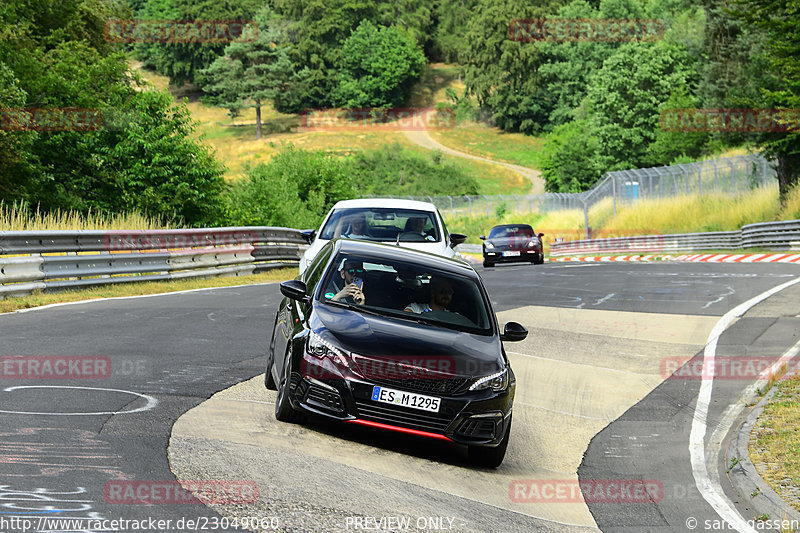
(382, 225)
(317, 268)
(511, 231)
(410, 291)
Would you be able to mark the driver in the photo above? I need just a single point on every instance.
(441, 296)
(352, 273)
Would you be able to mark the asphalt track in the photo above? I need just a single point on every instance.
(593, 405)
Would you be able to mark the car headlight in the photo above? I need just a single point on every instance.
(532, 244)
(320, 348)
(498, 382)
(489, 245)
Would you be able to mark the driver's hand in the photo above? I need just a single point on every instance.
(353, 291)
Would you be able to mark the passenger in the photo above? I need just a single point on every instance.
(358, 227)
(416, 225)
(441, 296)
(351, 292)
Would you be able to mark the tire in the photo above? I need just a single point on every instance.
(487, 264)
(490, 457)
(539, 259)
(269, 381)
(284, 412)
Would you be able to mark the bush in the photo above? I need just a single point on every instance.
(296, 189)
(398, 172)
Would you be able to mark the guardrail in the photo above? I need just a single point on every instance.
(775, 236)
(53, 260)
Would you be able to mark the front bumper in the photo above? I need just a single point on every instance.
(498, 256)
(477, 418)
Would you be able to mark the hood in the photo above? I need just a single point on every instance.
(513, 243)
(388, 338)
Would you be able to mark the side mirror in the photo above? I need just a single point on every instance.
(456, 239)
(540, 235)
(482, 237)
(513, 332)
(296, 290)
(308, 235)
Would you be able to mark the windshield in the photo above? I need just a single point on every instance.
(407, 291)
(503, 232)
(382, 224)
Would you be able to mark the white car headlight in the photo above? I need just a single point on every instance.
(489, 245)
(498, 382)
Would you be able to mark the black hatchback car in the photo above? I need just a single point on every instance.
(396, 339)
(510, 243)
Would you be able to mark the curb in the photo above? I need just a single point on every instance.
(696, 258)
(745, 478)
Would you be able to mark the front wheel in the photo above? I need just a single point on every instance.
(490, 457)
(487, 264)
(539, 259)
(284, 411)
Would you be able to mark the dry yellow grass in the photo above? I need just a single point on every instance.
(19, 218)
(134, 289)
(791, 208)
(684, 214)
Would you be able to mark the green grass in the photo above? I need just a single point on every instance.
(492, 143)
(777, 443)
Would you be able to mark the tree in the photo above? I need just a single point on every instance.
(377, 67)
(317, 30)
(503, 73)
(569, 158)
(626, 96)
(182, 60)
(779, 20)
(251, 71)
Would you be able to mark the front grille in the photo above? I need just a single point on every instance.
(324, 399)
(403, 417)
(430, 385)
(477, 428)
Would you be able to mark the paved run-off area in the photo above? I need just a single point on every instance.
(578, 370)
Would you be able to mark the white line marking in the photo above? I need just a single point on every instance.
(151, 402)
(48, 306)
(711, 491)
(605, 298)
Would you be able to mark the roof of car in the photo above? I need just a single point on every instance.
(391, 251)
(385, 202)
(512, 226)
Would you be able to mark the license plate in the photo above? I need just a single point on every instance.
(406, 399)
(510, 254)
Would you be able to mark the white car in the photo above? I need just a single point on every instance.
(417, 225)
